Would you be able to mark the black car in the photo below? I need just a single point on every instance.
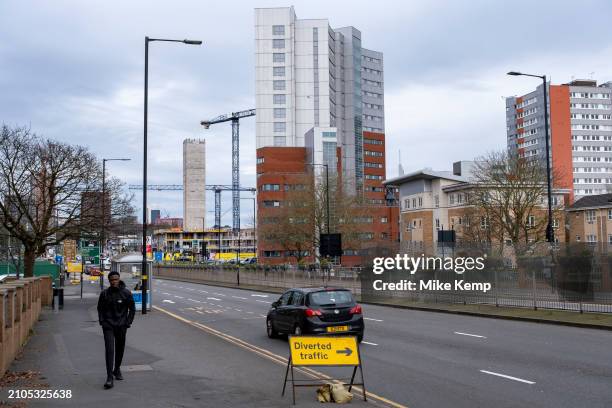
(315, 311)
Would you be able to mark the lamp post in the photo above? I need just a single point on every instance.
(103, 234)
(550, 237)
(144, 164)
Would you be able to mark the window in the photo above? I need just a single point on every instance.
(277, 254)
(270, 187)
(260, 160)
(279, 113)
(437, 201)
(484, 222)
(610, 214)
(384, 220)
(420, 201)
(437, 223)
(279, 99)
(271, 203)
(278, 43)
(278, 57)
(590, 216)
(279, 127)
(297, 299)
(531, 221)
(278, 30)
(555, 223)
(278, 71)
(278, 85)
(591, 238)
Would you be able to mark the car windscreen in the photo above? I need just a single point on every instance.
(330, 298)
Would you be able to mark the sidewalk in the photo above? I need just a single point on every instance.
(167, 363)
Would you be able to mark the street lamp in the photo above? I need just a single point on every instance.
(103, 234)
(550, 237)
(144, 164)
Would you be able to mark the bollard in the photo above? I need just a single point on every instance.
(53, 298)
(60, 298)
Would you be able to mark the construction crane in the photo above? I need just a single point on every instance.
(215, 187)
(234, 117)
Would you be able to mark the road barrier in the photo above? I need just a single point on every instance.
(21, 301)
(266, 276)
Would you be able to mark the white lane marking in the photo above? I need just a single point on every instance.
(239, 297)
(219, 294)
(167, 301)
(263, 301)
(250, 312)
(199, 311)
(371, 344)
(374, 320)
(180, 297)
(164, 293)
(508, 377)
(260, 295)
(203, 291)
(471, 335)
(193, 300)
(262, 315)
(212, 298)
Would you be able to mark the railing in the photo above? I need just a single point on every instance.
(21, 301)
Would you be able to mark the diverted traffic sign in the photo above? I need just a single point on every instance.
(341, 351)
(324, 350)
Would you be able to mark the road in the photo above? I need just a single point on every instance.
(423, 359)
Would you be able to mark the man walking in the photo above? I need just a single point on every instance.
(116, 312)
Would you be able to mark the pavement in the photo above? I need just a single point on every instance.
(168, 363)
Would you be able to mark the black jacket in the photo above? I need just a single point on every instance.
(116, 307)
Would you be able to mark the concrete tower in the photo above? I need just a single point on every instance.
(194, 184)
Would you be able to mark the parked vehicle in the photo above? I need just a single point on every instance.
(315, 311)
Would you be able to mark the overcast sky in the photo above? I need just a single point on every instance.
(73, 71)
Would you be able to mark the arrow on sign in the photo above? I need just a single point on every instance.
(346, 351)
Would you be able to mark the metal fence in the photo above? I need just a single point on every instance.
(564, 277)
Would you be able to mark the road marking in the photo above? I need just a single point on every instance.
(199, 311)
(239, 297)
(274, 357)
(371, 344)
(193, 300)
(180, 297)
(471, 335)
(219, 294)
(260, 295)
(262, 315)
(164, 293)
(263, 301)
(212, 298)
(202, 291)
(238, 310)
(250, 312)
(167, 301)
(508, 377)
(374, 320)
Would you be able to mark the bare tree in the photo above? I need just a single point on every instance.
(509, 194)
(50, 191)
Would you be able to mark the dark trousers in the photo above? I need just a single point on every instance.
(114, 344)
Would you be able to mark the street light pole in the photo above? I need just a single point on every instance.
(144, 272)
(103, 234)
(550, 237)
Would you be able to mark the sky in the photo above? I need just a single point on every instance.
(73, 71)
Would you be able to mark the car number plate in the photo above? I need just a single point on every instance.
(336, 329)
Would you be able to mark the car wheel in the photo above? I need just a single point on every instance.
(297, 331)
(270, 329)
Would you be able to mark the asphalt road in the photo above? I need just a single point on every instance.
(424, 359)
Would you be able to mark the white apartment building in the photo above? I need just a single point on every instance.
(309, 75)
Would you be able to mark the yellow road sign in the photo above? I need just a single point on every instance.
(321, 350)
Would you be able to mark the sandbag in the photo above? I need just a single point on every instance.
(324, 393)
(340, 395)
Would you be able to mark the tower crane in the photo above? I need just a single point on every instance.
(234, 117)
(217, 188)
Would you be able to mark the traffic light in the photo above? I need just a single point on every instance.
(330, 245)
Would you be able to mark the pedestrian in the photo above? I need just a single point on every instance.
(116, 312)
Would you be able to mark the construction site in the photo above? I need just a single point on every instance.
(189, 239)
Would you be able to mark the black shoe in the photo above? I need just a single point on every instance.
(117, 374)
(109, 383)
